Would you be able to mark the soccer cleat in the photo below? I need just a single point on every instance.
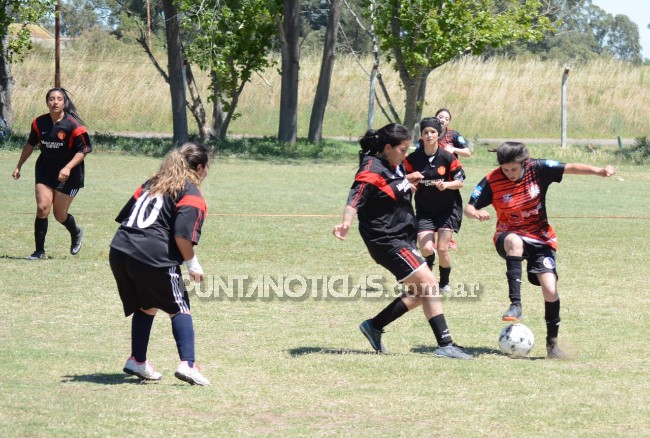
(37, 255)
(513, 313)
(452, 351)
(143, 370)
(191, 375)
(553, 351)
(76, 241)
(446, 289)
(373, 335)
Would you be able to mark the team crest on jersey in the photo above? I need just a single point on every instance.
(60, 135)
(534, 191)
(477, 192)
(549, 263)
(441, 170)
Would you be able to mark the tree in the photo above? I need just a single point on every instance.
(420, 36)
(325, 78)
(14, 45)
(289, 31)
(231, 39)
(176, 80)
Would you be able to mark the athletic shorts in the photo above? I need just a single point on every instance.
(147, 287)
(540, 258)
(47, 177)
(430, 222)
(402, 261)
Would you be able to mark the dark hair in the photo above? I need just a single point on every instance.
(68, 105)
(443, 109)
(511, 152)
(374, 141)
(431, 122)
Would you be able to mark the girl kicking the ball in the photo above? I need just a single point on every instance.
(517, 191)
(381, 197)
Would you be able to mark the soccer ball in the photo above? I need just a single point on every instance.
(516, 340)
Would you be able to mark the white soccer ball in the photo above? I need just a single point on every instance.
(516, 340)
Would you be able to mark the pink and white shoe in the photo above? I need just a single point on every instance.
(191, 375)
(143, 370)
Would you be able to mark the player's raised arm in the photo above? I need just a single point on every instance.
(586, 169)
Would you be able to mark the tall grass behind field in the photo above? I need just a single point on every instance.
(123, 92)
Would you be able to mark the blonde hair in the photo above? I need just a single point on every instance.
(179, 166)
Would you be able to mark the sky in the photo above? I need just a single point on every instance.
(638, 11)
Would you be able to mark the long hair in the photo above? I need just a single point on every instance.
(511, 152)
(373, 141)
(178, 167)
(68, 105)
(444, 110)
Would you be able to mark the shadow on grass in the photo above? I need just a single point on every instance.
(11, 257)
(474, 351)
(103, 379)
(302, 351)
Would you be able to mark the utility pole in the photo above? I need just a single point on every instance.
(565, 79)
(57, 44)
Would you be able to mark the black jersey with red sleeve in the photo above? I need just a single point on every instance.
(521, 205)
(59, 142)
(452, 138)
(382, 197)
(149, 225)
(441, 166)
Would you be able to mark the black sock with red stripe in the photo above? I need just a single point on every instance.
(513, 274)
(393, 311)
(440, 330)
(140, 332)
(183, 330)
(40, 231)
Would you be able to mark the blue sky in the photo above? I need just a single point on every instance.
(638, 11)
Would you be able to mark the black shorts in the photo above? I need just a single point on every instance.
(432, 222)
(401, 261)
(46, 176)
(539, 257)
(147, 287)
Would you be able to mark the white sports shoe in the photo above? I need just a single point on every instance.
(190, 375)
(143, 370)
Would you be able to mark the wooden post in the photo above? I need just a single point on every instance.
(371, 98)
(565, 79)
(57, 44)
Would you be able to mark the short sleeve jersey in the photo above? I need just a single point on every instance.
(441, 166)
(521, 205)
(59, 142)
(382, 197)
(149, 225)
(452, 138)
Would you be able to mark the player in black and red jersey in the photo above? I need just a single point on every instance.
(517, 191)
(438, 204)
(381, 197)
(451, 140)
(159, 227)
(64, 143)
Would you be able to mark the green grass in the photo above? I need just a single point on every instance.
(301, 367)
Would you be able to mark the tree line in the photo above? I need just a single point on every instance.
(231, 40)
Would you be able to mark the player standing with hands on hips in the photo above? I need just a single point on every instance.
(381, 197)
(517, 191)
(64, 143)
(159, 227)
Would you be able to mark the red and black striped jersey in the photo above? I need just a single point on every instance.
(521, 205)
(382, 197)
(441, 166)
(149, 225)
(60, 141)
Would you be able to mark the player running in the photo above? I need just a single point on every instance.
(517, 191)
(381, 196)
(64, 143)
(438, 204)
(159, 227)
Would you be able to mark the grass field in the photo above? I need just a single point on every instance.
(299, 366)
